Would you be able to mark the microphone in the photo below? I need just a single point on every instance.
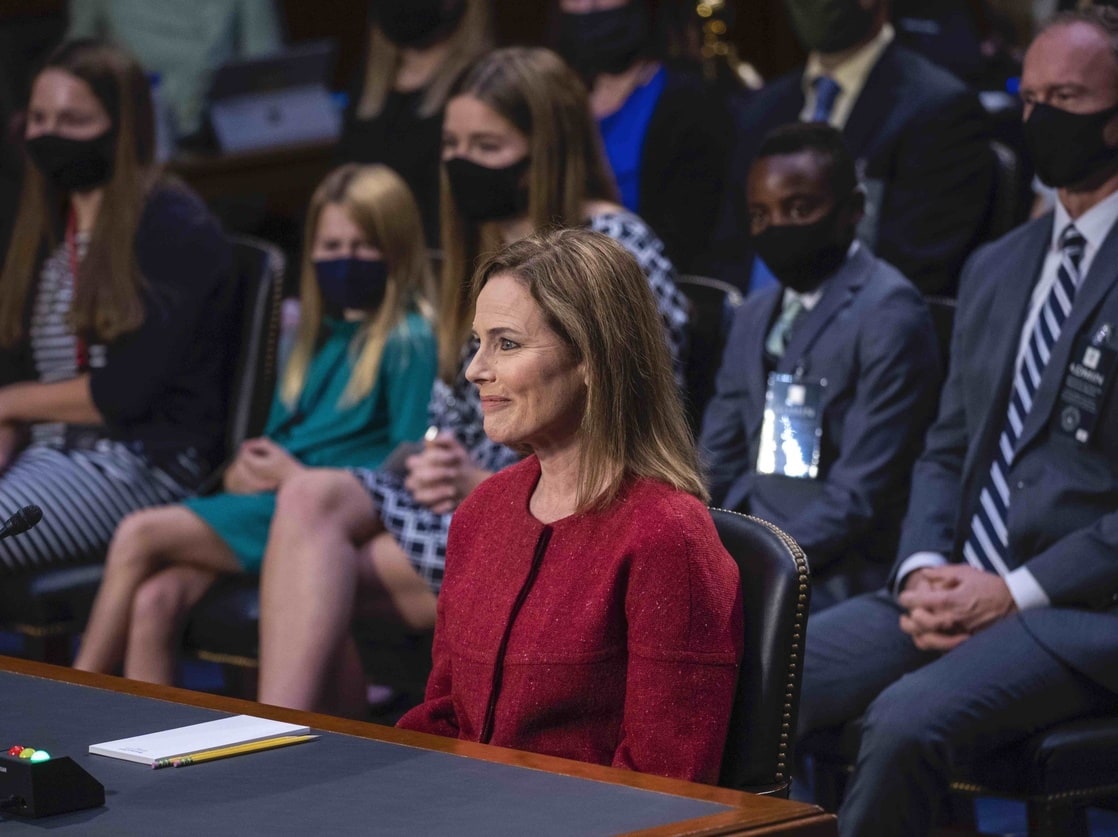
(21, 521)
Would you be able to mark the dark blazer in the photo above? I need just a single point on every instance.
(1063, 514)
(921, 142)
(684, 162)
(871, 337)
(164, 386)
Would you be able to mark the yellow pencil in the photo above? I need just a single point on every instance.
(234, 750)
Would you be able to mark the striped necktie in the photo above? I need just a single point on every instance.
(826, 92)
(987, 548)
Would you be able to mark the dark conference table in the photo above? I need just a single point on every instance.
(358, 778)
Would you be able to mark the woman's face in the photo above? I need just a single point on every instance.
(473, 130)
(338, 237)
(533, 392)
(64, 104)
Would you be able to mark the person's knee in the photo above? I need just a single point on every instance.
(323, 498)
(904, 718)
(158, 605)
(316, 493)
(137, 537)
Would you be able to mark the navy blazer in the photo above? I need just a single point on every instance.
(871, 337)
(921, 141)
(1063, 512)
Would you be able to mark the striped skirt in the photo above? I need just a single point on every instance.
(84, 494)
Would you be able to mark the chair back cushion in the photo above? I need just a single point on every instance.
(775, 596)
(942, 309)
(259, 268)
(1008, 205)
(712, 309)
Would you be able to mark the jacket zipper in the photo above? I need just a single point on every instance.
(499, 663)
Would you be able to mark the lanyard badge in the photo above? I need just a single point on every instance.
(792, 429)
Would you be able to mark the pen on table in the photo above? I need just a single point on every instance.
(233, 750)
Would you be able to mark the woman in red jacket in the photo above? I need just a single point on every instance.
(589, 609)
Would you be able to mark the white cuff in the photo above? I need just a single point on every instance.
(916, 561)
(1026, 592)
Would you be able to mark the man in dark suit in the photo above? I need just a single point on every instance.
(1002, 613)
(845, 327)
(919, 136)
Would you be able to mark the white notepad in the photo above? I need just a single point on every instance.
(150, 748)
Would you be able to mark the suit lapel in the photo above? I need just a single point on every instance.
(872, 110)
(791, 104)
(754, 361)
(1096, 285)
(1012, 300)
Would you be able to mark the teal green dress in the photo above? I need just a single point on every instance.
(321, 433)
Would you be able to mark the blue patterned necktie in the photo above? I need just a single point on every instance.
(826, 92)
(987, 548)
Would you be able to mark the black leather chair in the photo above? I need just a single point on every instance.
(261, 267)
(1058, 773)
(776, 593)
(1011, 198)
(49, 607)
(942, 309)
(712, 310)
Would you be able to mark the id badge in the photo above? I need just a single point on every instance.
(1089, 376)
(792, 427)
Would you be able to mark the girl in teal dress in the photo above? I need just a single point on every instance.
(354, 388)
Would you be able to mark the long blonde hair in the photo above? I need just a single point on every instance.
(471, 37)
(380, 204)
(595, 297)
(108, 300)
(547, 102)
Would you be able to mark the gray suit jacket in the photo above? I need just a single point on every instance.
(870, 336)
(1063, 514)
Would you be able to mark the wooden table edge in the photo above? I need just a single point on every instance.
(750, 812)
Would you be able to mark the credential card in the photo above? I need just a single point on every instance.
(792, 427)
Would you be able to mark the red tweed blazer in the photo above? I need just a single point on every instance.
(610, 637)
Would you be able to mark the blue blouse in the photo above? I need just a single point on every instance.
(623, 133)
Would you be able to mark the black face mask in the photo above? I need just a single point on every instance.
(1067, 148)
(356, 284)
(607, 41)
(74, 165)
(829, 25)
(417, 23)
(485, 194)
(801, 256)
